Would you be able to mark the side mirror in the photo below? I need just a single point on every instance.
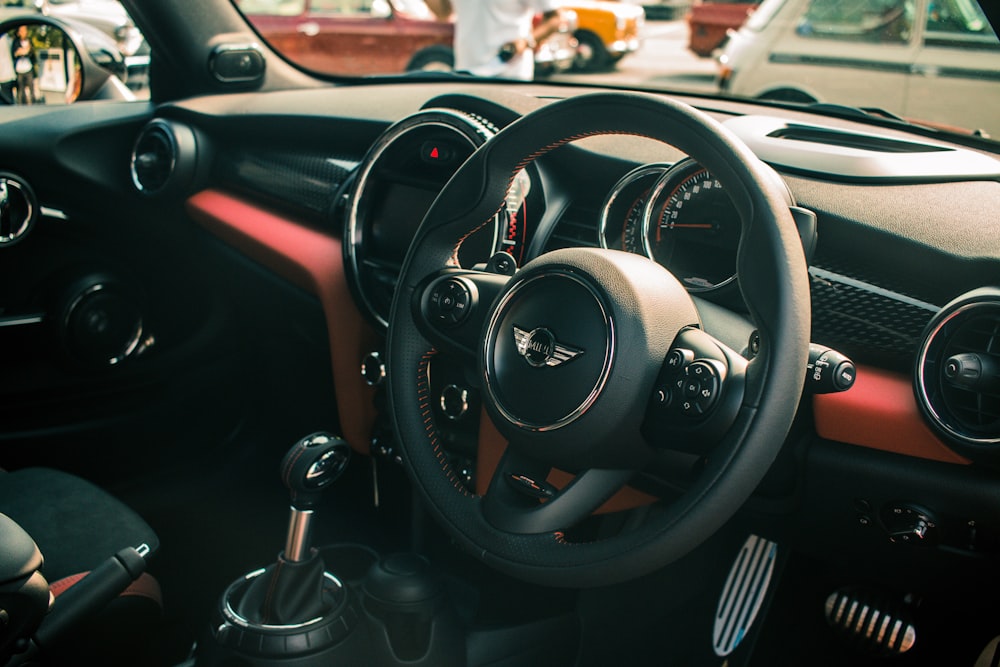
(44, 60)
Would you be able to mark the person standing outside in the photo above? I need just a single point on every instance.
(22, 52)
(497, 38)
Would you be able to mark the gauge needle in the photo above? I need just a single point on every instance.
(691, 225)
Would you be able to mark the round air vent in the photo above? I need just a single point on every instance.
(163, 156)
(18, 209)
(958, 373)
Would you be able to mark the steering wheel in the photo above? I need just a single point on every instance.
(594, 361)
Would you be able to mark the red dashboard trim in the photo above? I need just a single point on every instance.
(880, 412)
(313, 261)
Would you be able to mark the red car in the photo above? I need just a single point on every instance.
(378, 36)
(356, 36)
(710, 20)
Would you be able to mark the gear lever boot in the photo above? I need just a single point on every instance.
(293, 612)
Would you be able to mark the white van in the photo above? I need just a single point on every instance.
(915, 54)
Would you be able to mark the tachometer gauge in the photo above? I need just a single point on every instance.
(692, 227)
(622, 226)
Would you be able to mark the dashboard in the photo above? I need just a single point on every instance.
(893, 226)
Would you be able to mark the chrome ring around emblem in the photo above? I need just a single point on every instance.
(540, 349)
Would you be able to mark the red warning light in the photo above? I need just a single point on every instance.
(434, 152)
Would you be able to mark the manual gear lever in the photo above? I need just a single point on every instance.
(310, 466)
(291, 591)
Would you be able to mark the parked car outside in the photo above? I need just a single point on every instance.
(915, 53)
(606, 32)
(710, 21)
(347, 36)
(378, 36)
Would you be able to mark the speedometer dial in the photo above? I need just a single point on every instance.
(692, 227)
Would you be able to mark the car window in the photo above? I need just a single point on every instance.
(273, 7)
(958, 21)
(883, 21)
(375, 8)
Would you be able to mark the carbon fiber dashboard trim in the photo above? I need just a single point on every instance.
(305, 184)
(867, 322)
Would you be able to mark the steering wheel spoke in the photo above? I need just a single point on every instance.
(697, 395)
(450, 307)
(521, 500)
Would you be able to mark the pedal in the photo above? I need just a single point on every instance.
(744, 592)
(872, 621)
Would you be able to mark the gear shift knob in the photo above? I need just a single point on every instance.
(311, 465)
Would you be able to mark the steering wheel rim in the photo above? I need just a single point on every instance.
(773, 277)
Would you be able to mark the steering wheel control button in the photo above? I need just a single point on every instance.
(450, 301)
(678, 358)
(698, 387)
(663, 397)
(502, 263)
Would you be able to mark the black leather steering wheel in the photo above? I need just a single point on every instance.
(593, 360)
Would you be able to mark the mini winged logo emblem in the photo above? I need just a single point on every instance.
(539, 347)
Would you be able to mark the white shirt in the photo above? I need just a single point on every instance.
(483, 26)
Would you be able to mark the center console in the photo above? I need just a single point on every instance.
(335, 604)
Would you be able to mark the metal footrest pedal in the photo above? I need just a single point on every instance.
(743, 594)
(871, 620)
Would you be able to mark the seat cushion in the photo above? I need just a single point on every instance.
(75, 524)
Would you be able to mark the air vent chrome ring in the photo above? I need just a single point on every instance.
(18, 209)
(957, 378)
(163, 157)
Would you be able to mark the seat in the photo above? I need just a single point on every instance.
(77, 527)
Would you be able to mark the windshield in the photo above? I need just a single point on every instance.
(930, 62)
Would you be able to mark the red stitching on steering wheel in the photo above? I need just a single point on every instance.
(453, 259)
(424, 401)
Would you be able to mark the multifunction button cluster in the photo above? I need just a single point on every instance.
(691, 386)
(449, 302)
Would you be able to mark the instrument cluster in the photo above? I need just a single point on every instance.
(678, 215)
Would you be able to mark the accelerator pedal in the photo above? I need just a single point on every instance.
(872, 621)
(744, 592)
